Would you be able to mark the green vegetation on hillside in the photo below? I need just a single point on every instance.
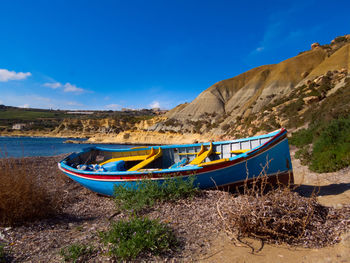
(324, 146)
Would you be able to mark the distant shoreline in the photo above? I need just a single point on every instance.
(75, 140)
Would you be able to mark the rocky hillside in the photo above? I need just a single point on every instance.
(268, 95)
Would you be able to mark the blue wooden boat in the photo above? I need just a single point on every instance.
(214, 164)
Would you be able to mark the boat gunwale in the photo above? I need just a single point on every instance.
(263, 136)
(280, 134)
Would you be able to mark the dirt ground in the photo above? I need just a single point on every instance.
(195, 222)
(333, 190)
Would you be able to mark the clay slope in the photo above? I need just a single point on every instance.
(339, 60)
(251, 90)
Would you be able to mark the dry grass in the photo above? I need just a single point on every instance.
(24, 196)
(281, 216)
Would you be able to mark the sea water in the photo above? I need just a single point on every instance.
(42, 146)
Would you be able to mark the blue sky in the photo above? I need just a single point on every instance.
(139, 54)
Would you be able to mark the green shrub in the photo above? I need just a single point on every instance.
(331, 145)
(147, 192)
(128, 239)
(331, 151)
(304, 155)
(302, 137)
(76, 252)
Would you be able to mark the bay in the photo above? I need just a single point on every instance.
(43, 146)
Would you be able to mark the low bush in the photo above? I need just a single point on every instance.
(23, 197)
(127, 240)
(331, 150)
(76, 252)
(282, 216)
(147, 192)
(302, 137)
(331, 145)
(279, 214)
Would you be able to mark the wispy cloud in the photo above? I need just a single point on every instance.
(113, 107)
(53, 85)
(68, 87)
(155, 104)
(6, 75)
(72, 88)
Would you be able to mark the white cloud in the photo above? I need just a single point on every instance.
(72, 88)
(113, 107)
(53, 85)
(259, 49)
(24, 106)
(68, 87)
(155, 104)
(6, 75)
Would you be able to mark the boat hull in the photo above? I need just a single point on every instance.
(271, 160)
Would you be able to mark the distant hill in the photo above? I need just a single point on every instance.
(230, 103)
(22, 121)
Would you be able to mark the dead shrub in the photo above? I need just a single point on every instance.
(24, 197)
(281, 215)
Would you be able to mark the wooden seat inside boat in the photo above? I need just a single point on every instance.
(202, 155)
(127, 159)
(150, 158)
(144, 159)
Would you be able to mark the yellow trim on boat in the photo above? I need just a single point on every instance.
(150, 158)
(127, 159)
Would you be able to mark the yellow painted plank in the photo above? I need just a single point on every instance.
(126, 159)
(214, 162)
